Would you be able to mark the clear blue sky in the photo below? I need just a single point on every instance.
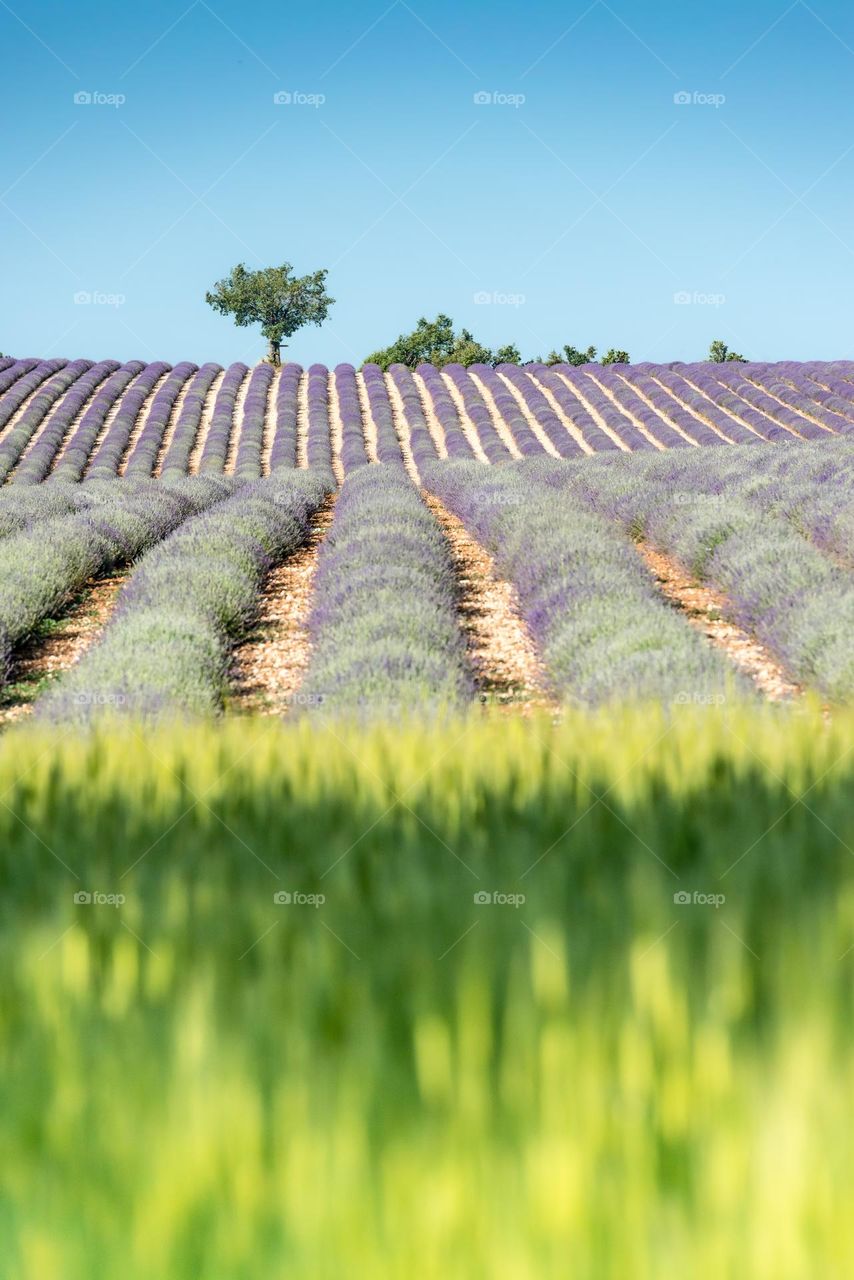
(580, 212)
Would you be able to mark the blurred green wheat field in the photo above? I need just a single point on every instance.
(398, 1081)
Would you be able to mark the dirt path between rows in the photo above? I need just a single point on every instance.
(57, 646)
(706, 609)
(501, 649)
(268, 668)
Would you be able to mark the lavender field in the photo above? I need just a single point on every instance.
(425, 798)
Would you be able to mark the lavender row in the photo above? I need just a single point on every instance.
(16, 439)
(16, 369)
(38, 456)
(215, 450)
(589, 390)
(143, 456)
(539, 407)
(602, 629)
(283, 454)
(781, 589)
(633, 405)
(666, 404)
(508, 410)
(70, 460)
(107, 457)
(570, 405)
(45, 371)
(41, 568)
(166, 651)
(353, 452)
(388, 445)
(477, 411)
(385, 636)
(795, 422)
(176, 459)
(318, 442)
(421, 443)
(250, 444)
(445, 410)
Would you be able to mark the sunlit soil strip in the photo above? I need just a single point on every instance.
(665, 418)
(302, 421)
(526, 412)
(172, 423)
(57, 646)
(627, 413)
(370, 427)
(138, 426)
(565, 421)
(401, 428)
(205, 424)
(502, 430)
(434, 426)
(467, 427)
(705, 609)
(594, 413)
(237, 425)
(269, 666)
(269, 432)
(336, 427)
(504, 660)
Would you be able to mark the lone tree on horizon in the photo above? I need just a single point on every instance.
(274, 298)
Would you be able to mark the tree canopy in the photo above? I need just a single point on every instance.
(719, 353)
(274, 298)
(435, 342)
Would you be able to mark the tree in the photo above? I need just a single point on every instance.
(719, 353)
(613, 356)
(433, 342)
(571, 355)
(508, 355)
(274, 298)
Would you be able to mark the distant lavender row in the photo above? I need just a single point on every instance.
(353, 452)
(24, 385)
(14, 370)
(215, 450)
(165, 652)
(318, 443)
(176, 460)
(143, 456)
(36, 410)
(250, 443)
(388, 445)
(384, 630)
(284, 451)
(70, 460)
(445, 410)
(109, 453)
(41, 451)
(42, 567)
(602, 629)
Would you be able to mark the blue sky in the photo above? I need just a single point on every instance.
(582, 203)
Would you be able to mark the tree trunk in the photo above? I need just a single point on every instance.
(274, 352)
